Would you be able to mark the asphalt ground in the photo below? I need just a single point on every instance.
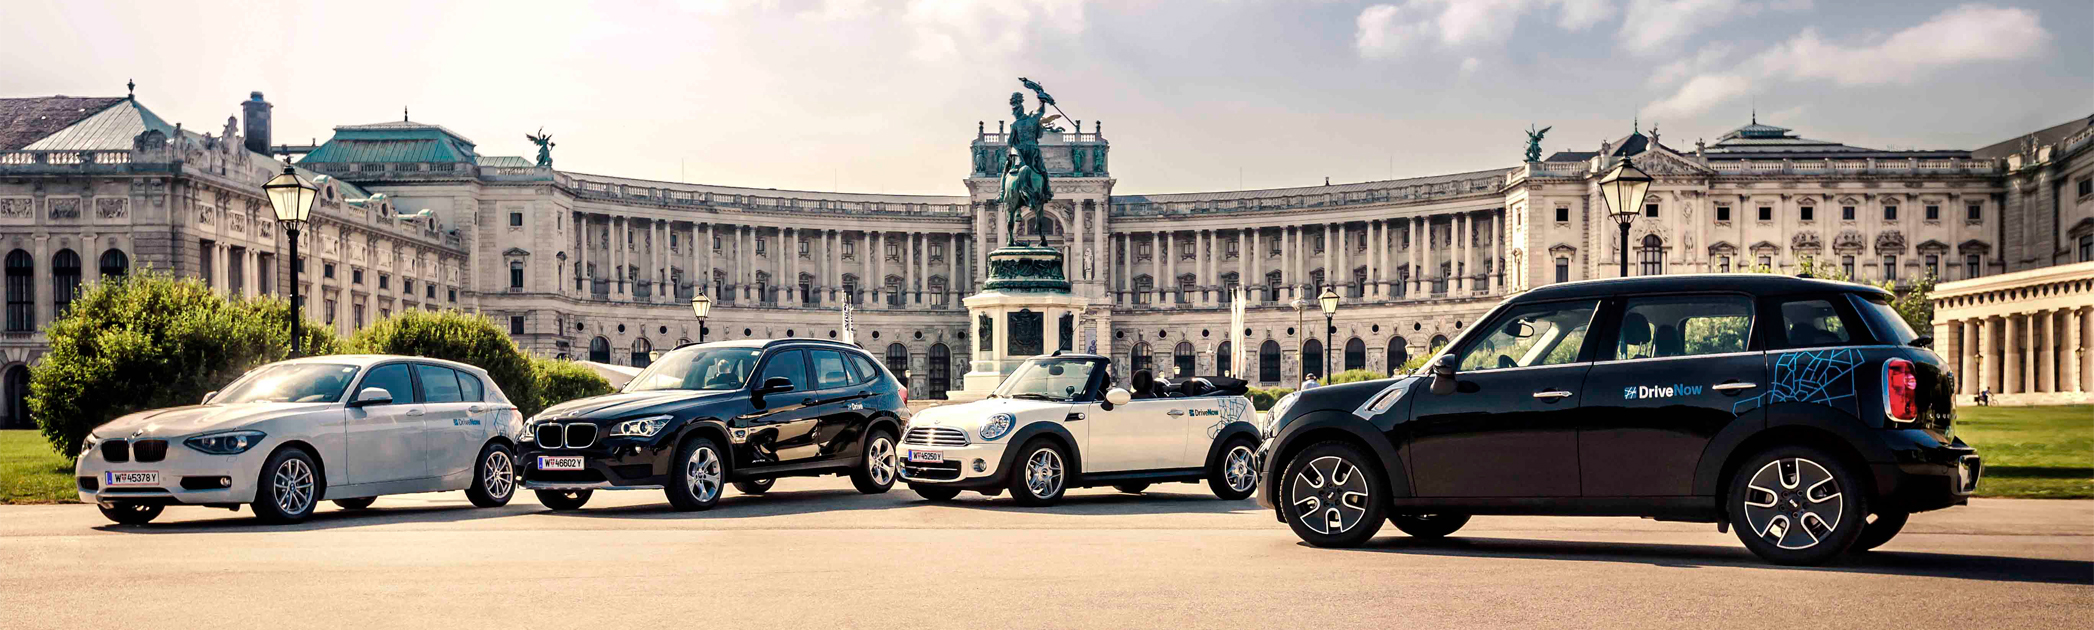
(816, 554)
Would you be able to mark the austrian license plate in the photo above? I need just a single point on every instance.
(548, 462)
(926, 456)
(131, 478)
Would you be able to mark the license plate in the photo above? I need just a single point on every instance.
(548, 462)
(130, 478)
(926, 456)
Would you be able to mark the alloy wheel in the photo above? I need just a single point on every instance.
(1238, 469)
(1043, 473)
(702, 474)
(500, 479)
(880, 461)
(1330, 495)
(1793, 503)
(293, 482)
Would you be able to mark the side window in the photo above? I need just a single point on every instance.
(1684, 326)
(1813, 322)
(867, 372)
(1532, 335)
(392, 378)
(829, 371)
(790, 364)
(439, 383)
(469, 387)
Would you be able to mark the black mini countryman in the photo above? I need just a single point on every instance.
(1804, 413)
(703, 416)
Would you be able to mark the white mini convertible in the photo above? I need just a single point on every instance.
(1058, 422)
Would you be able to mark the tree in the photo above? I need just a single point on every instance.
(1355, 376)
(455, 336)
(1419, 361)
(560, 380)
(150, 340)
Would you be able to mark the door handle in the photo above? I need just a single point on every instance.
(1731, 387)
(475, 409)
(1175, 413)
(414, 412)
(1551, 395)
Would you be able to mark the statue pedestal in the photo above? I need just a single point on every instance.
(1024, 310)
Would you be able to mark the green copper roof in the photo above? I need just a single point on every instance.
(393, 142)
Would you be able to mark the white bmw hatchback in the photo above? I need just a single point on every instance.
(286, 435)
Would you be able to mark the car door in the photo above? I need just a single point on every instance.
(838, 404)
(1673, 372)
(781, 427)
(1144, 434)
(447, 421)
(1510, 427)
(386, 442)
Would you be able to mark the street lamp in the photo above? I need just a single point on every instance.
(292, 198)
(1329, 302)
(1623, 189)
(701, 306)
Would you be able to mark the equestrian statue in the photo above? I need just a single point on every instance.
(1024, 173)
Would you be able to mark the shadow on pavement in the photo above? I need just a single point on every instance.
(245, 522)
(1991, 568)
(790, 502)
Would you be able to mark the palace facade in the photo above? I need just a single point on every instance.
(603, 268)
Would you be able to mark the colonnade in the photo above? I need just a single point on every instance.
(1416, 257)
(2042, 351)
(639, 259)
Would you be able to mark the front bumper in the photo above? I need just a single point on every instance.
(614, 464)
(958, 468)
(1930, 472)
(187, 476)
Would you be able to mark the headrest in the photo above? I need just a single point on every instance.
(1670, 343)
(1143, 380)
(1635, 329)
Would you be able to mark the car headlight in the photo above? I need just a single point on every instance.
(997, 426)
(88, 445)
(228, 443)
(1279, 410)
(529, 434)
(641, 427)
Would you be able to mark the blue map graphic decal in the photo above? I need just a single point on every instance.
(1824, 377)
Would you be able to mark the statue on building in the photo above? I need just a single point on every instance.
(1534, 142)
(545, 147)
(1024, 172)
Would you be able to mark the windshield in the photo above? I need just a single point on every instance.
(698, 368)
(289, 382)
(1049, 379)
(1896, 330)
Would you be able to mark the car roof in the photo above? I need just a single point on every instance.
(768, 343)
(367, 360)
(1753, 283)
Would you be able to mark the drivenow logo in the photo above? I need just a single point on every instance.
(1639, 392)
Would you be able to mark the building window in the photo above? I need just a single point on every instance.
(1767, 261)
(1183, 361)
(1650, 210)
(716, 241)
(516, 324)
(1277, 242)
(1933, 212)
(205, 262)
(1807, 213)
(894, 292)
(1316, 243)
(356, 276)
(1563, 269)
(385, 280)
(1847, 266)
(452, 294)
(1846, 213)
(2086, 186)
(21, 291)
(1722, 213)
(115, 264)
(1723, 264)
(327, 270)
(937, 252)
(430, 288)
(1141, 251)
(515, 276)
(1138, 359)
(894, 250)
(330, 312)
(1269, 362)
(407, 286)
(1563, 215)
(2086, 247)
(1186, 251)
(1143, 286)
(805, 247)
(1766, 213)
(1933, 266)
(1653, 255)
(1890, 267)
(1231, 248)
(65, 281)
(760, 251)
(1890, 213)
(1971, 266)
(850, 250)
(1974, 212)
(672, 240)
(515, 219)
(807, 295)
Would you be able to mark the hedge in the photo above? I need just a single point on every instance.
(455, 336)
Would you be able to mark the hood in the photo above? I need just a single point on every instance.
(625, 404)
(973, 414)
(177, 421)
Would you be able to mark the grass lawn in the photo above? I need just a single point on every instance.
(31, 473)
(2032, 452)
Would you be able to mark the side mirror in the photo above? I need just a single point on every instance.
(1443, 375)
(1118, 396)
(372, 396)
(208, 396)
(774, 385)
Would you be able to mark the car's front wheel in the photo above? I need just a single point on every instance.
(563, 500)
(1042, 475)
(1884, 527)
(290, 487)
(1331, 494)
(1796, 505)
(755, 486)
(1234, 476)
(494, 477)
(699, 475)
(877, 472)
(938, 494)
(131, 512)
(1428, 525)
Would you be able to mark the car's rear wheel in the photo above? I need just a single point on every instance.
(755, 486)
(1428, 525)
(876, 473)
(564, 500)
(290, 487)
(1234, 476)
(696, 480)
(1042, 475)
(939, 494)
(1796, 505)
(1331, 495)
(494, 477)
(355, 504)
(131, 512)
(1880, 529)
(1130, 488)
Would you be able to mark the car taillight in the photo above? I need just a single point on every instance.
(1900, 390)
(905, 395)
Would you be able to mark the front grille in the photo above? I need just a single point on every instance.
(935, 436)
(149, 450)
(581, 435)
(932, 471)
(549, 435)
(116, 451)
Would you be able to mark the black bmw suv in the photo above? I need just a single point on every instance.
(1804, 413)
(703, 416)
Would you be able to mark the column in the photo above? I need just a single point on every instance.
(705, 264)
(1203, 250)
(1104, 254)
(981, 235)
(1967, 360)
(1411, 253)
(1290, 249)
(922, 281)
(1462, 230)
(1075, 239)
(877, 257)
(2070, 357)
(1330, 257)
(1155, 264)
(2046, 351)
(952, 271)
(2012, 370)
(1377, 246)
(1246, 251)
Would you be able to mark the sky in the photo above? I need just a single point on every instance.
(883, 97)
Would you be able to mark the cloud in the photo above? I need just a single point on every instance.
(1657, 26)
(944, 28)
(1389, 30)
(1471, 65)
(1703, 60)
(1579, 15)
(841, 10)
(1962, 35)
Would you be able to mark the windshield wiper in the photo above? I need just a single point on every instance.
(1032, 396)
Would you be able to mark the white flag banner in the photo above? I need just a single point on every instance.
(850, 331)
(1236, 339)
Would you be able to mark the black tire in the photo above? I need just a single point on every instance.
(938, 494)
(1879, 531)
(563, 500)
(494, 477)
(879, 467)
(696, 476)
(1130, 488)
(755, 486)
(131, 512)
(1234, 475)
(1796, 505)
(355, 504)
(1428, 525)
(289, 487)
(1044, 486)
(1331, 495)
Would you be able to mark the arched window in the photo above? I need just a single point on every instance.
(941, 371)
(1143, 286)
(1355, 354)
(65, 281)
(1399, 354)
(1438, 341)
(600, 350)
(898, 362)
(1269, 362)
(115, 264)
(1653, 255)
(21, 291)
(16, 383)
(1222, 357)
(1138, 359)
(1182, 359)
(1312, 361)
(641, 352)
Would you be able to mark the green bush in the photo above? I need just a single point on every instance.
(560, 380)
(1419, 361)
(1355, 376)
(148, 341)
(455, 336)
(1263, 398)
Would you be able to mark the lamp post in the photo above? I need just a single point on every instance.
(1299, 306)
(701, 306)
(1329, 302)
(292, 198)
(1622, 190)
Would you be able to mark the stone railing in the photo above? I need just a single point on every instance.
(1394, 192)
(1549, 169)
(64, 161)
(1867, 166)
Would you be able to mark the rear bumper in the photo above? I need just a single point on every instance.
(1927, 474)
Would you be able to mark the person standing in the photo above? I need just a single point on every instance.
(1309, 382)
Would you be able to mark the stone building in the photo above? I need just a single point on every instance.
(602, 268)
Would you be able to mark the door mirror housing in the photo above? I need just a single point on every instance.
(208, 396)
(775, 385)
(372, 396)
(1443, 375)
(1118, 396)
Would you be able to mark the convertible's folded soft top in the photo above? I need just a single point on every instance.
(1207, 386)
